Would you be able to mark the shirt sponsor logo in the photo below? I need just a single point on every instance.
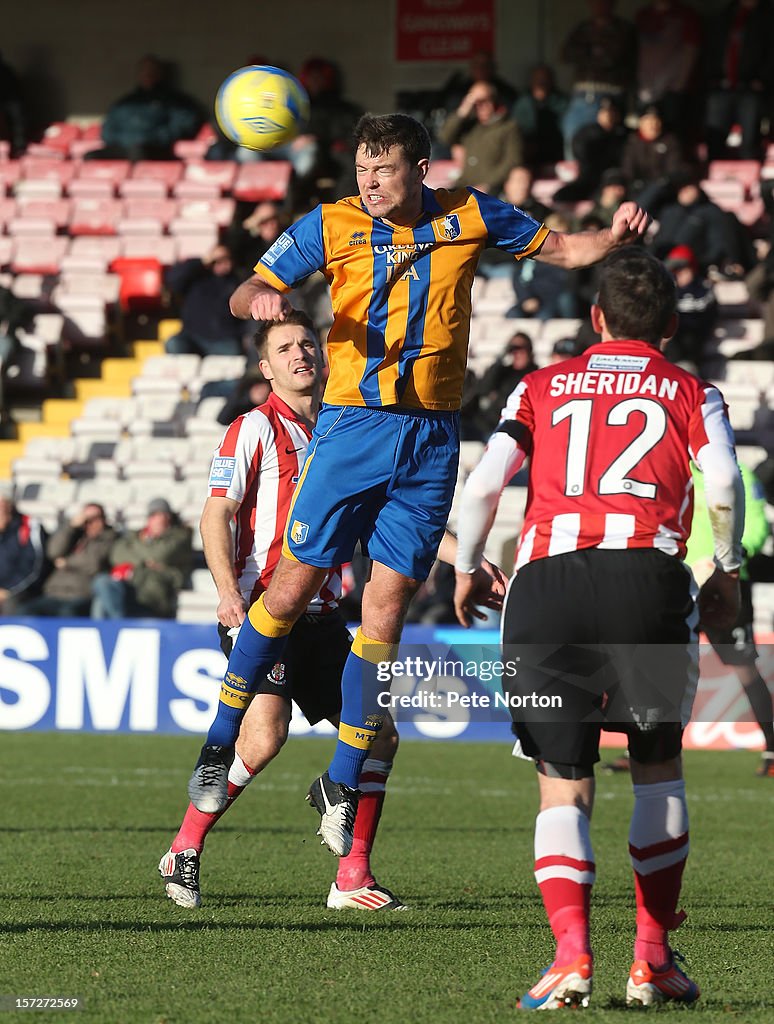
(222, 471)
(358, 238)
(299, 532)
(600, 361)
(282, 244)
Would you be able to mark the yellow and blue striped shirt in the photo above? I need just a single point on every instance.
(400, 295)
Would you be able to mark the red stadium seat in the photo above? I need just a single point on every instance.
(38, 255)
(191, 149)
(46, 169)
(728, 193)
(186, 189)
(196, 246)
(747, 172)
(95, 216)
(10, 172)
(157, 247)
(57, 210)
(196, 211)
(217, 172)
(91, 188)
(160, 210)
(23, 226)
(7, 210)
(81, 147)
(143, 188)
(168, 171)
(61, 135)
(141, 284)
(266, 179)
(106, 170)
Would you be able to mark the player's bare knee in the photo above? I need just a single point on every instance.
(292, 587)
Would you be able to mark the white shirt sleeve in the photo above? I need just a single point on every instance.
(724, 490)
(501, 460)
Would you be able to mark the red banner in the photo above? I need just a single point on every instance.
(444, 29)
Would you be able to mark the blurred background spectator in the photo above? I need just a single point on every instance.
(517, 190)
(15, 314)
(502, 377)
(481, 68)
(697, 308)
(248, 237)
(668, 44)
(596, 147)
(538, 112)
(651, 160)
(78, 550)
(612, 192)
(715, 236)
(147, 122)
(603, 52)
(205, 286)
(564, 349)
(544, 291)
(484, 140)
(149, 568)
(739, 73)
(22, 554)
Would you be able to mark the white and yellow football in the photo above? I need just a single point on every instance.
(261, 107)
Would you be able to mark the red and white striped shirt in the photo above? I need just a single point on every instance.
(611, 434)
(258, 463)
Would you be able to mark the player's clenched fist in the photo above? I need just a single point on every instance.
(269, 305)
(630, 222)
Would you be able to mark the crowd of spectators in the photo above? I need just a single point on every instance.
(87, 568)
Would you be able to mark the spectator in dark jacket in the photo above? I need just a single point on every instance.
(22, 554)
(502, 377)
(544, 291)
(697, 308)
(147, 122)
(79, 550)
(538, 112)
(739, 73)
(651, 161)
(150, 567)
(715, 236)
(206, 286)
(484, 139)
(596, 147)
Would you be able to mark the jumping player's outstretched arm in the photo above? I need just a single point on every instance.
(256, 299)
(586, 247)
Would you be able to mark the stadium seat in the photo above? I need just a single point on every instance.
(166, 171)
(60, 135)
(38, 255)
(180, 367)
(10, 172)
(217, 172)
(727, 193)
(47, 169)
(191, 149)
(143, 188)
(8, 210)
(141, 284)
(95, 216)
(105, 170)
(160, 210)
(57, 210)
(97, 247)
(90, 188)
(262, 180)
(101, 284)
(27, 286)
(192, 213)
(139, 226)
(185, 189)
(746, 172)
(31, 227)
(145, 247)
(195, 245)
(43, 188)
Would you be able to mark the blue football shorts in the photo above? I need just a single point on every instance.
(381, 477)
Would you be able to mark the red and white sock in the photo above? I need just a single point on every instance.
(196, 824)
(355, 868)
(658, 845)
(565, 873)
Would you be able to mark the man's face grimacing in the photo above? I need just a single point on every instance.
(293, 361)
(389, 185)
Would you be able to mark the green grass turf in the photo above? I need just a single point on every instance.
(82, 912)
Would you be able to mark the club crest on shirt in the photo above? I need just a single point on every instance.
(299, 532)
(448, 228)
(277, 674)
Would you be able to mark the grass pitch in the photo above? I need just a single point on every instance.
(82, 911)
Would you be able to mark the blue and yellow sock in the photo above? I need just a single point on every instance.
(361, 716)
(258, 647)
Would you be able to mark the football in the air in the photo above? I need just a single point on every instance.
(261, 107)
